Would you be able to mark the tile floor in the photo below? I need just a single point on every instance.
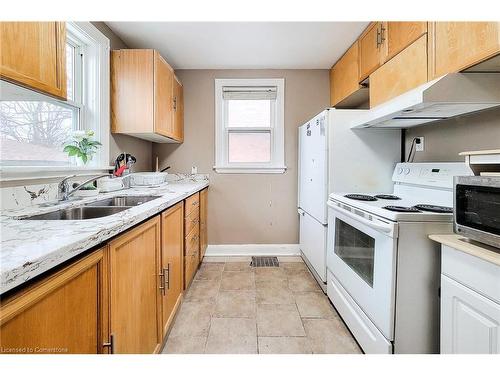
(231, 307)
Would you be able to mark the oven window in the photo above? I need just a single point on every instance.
(478, 207)
(356, 249)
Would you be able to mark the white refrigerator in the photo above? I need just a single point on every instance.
(335, 158)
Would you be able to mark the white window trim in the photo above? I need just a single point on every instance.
(277, 165)
(97, 111)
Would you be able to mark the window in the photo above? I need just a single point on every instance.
(35, 127)
(249, 126)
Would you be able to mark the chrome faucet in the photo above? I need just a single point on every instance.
(63, 189)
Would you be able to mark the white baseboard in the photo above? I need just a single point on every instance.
(249, 250)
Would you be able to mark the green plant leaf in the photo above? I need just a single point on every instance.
(84, 158)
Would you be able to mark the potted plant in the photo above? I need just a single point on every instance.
(82, 147)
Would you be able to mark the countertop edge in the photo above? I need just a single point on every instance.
(484, 252)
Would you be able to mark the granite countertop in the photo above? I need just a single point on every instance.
(485, 252)
(30, 247)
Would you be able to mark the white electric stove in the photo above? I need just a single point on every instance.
(383, 271)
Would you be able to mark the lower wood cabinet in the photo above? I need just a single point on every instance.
(172, 263)
(135, 289)
(64, 313)
(192, 237)
(203, 222)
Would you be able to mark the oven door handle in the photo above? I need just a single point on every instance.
(388, 228)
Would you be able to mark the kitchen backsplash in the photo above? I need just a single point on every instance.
(19, 197)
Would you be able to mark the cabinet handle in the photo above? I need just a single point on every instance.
(162, 282)
(110, 344)
(175, 103)
(382, 34)
(166, 271)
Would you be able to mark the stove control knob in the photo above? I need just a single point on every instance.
(407, 170)
(400, 170)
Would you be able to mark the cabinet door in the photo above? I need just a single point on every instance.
(405, 71)
(64, 313)
(401, 34)
(172, 260)
(132, 91)
(344, 76)
(470, 323)
(163, 87)
(178, 132)
(372, 49)
(459, 45)
(134, 289)
(34, 55)
(203, 222)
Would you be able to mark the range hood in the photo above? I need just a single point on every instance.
(445, 97)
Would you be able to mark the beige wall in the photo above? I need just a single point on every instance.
(246, 208)
(122, 143)
(445, 139)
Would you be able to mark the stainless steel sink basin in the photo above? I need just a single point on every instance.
(124, 201)
(78, 213)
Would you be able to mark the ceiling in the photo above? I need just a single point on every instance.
(243, 45)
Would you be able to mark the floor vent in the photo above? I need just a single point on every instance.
(264, 262)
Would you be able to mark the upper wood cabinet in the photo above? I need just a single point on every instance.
(372, 49)
(33, 54)
(458, 45)
(405, 71)
(135, 289)
(345, 89)
(172, 262)
(401, 34)
(203, 222)
(143, 96)
(64, 313)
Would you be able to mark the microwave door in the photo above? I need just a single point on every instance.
(362, 256)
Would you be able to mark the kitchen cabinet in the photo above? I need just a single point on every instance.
(145, 96)
(372, 49)
(455, 46)
(34, 55)
(63, 313)
(203, 222)
(345, 90)
(135, 289)
(172, 262)
(192, 238)
(405, 71)
(401, 34)
(470, 300)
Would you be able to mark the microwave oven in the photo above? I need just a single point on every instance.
(477, 208)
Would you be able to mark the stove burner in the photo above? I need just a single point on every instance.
(387, 196)
(360, 197)
(401, 209)
(433, 208)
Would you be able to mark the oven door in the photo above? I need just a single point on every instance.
(362, 251)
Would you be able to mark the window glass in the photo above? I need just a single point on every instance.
(249, 147)
(249, 113)
(70, 66)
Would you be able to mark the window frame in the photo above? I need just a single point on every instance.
(277, 129)
(93, 105)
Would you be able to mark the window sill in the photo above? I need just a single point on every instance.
(17, 173)
(255, 170)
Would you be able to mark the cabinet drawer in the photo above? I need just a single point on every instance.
(191, 221)
(471, 271)
(190, 267)
(192, 241)
(405, 71)
(192, 204)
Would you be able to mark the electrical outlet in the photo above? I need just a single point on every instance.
(194, 170)
(420, 146)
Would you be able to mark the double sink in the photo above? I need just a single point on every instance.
(94, 210)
